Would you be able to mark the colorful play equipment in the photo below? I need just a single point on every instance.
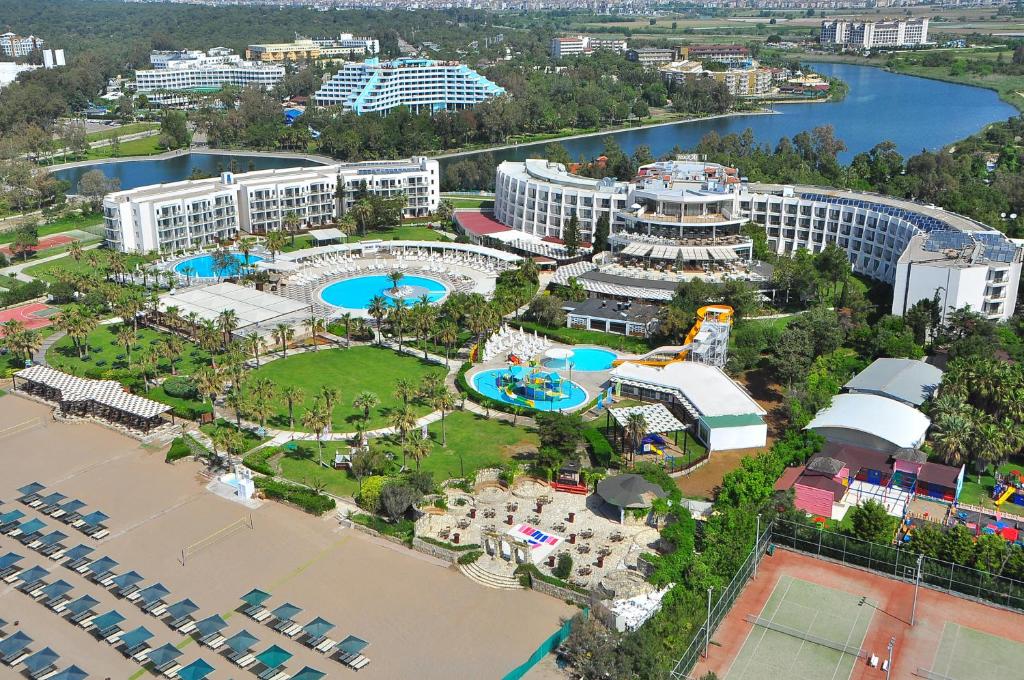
(706, 343)
(533, 385)
(653, 443)
(1009, 487)
(514, 360)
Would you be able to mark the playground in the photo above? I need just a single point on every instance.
(952, 638)
(33, 315)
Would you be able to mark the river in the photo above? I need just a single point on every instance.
(915, 113)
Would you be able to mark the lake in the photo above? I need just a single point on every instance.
(915, 113)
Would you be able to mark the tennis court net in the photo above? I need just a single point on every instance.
(803, 635)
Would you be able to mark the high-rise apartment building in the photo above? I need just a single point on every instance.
(13, 45)
(871, 34)
(193, 70)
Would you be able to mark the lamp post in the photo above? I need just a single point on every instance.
(757, 544)
(888, 665)
(707, 625)
(917, 586)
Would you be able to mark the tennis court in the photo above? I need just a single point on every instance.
(778, 645)
(44, 243)
(968, 654)
(33, 315)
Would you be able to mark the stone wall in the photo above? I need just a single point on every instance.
(561, 593)
(439, 552)
(373, 532)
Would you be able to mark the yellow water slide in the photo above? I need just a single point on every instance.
(723, 313)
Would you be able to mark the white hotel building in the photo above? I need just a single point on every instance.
(373, 86)
(192, 70)
(693, 212)
(170, 217)
(867, 35)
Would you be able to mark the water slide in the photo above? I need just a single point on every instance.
(669, 354)
(1010, 490)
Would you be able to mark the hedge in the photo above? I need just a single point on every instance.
(257, 460)
(457, 547)
(600, 448)
(470, 557)
(463, 386)
(403, 529)
(307, 499)
(179, 449)
(527, 572)
(180, 387)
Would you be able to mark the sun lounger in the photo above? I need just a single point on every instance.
(326, 646)
(214, 642)
(243, 660)
(9, 566)
(139, 650)
(169, 669)
(63, 510)
(42, 664)
(14, 648)
(30, 492)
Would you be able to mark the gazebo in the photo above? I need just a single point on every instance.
(105, 399)
(628, 491)
(323, 237)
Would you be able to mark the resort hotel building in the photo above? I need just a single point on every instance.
(741, 78)
(685, 218)
(583, 44)
(419, 84)
(345, 46)
(193, 70)
(180, 215)
(870, 34)
(13, 45)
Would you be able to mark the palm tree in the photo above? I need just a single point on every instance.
(227, 323)
(443, 400)
(636, 430)
(447, 335)
(419, 448)
(146, 364)
(275, 243)
(127, 337)
(292, 394)
(362, 213)
(245, 246)
(378, 309)
(240, 402)
(171, 349)
(397, 317)
(404, 390)
(291, 223)
(396, 278)
(209, 339)
(192, 318)
(346, 319)
(316, 420)
(254, 345)
(445, 211)
(403, 421)
(189, 271)
(952, 438)
(423, 320)
(329, 396)
(365, 401)
(316, 325)
(75, 251)
(283, 334)
(209, 382)
(261, 394)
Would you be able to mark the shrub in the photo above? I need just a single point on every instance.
(179, 449)
(564, 567)
(403, 529)
(368, 497)
(307, 499)
(600, 448)
(257, 461)
(470, 557)
(456, 547)
(180, 387)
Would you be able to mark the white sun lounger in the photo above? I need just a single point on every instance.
(172, 671)
(113, 639)
(292, 630)
(245, 660)
(214, 643)
(326, 646)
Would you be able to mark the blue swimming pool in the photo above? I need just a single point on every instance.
(486, 383)
(356, 293)
(201, 267)
(585, 359)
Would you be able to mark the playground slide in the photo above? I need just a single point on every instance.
(657, 449)
(513, 359)
(724, 313)
(1010, 490)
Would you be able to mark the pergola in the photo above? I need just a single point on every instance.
(106, 399)
(658, 419)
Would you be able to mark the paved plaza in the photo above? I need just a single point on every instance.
(421, 617)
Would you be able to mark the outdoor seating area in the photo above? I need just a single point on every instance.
(71, 512)
(18, 648)
(313, 635)
(507, 341)
(582, 526)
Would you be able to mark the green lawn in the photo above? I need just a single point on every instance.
(350, 372)
(473, 203)
(106, 354)
(250, 439)
(45, 270)
(399, 234)
(975, 493)
(58, 226)
(474, 442)
(122, 131)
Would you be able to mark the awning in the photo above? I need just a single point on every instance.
(102, 565)
(255, 597)
(657, 418)
(197, 670)
(51, 499)
(273, 656)
(10, 559)
(211, 625)
(12, 516)
(95, 518)
(352, 645)
(286, 611)
(629, 491)
(57, 588)
(329, 234)
(41, 660)
(14, 643)
(33, 526)
(52, 538)
(241, 642)
(636, 249)
(78, 552)
(72, 506)
(29, 489)
(33, 574)
(70, 673)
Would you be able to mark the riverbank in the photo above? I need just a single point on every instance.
(598, 133)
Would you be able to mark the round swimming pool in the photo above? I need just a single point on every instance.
(486, 383)
(356, 293)
(202, 267)
(585, 359)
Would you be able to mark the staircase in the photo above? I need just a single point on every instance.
(478, 574)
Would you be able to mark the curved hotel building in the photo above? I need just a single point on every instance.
(688, 216)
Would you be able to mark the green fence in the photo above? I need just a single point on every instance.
(545, 648)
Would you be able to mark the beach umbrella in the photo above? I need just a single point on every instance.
(32, 488)
(241, 642)
(286, 611)
(153, 593)
(255, 597)
(10, 559)
(14, 643)
(162, 655)
(83, 604)
(104, 621)
(180, 609)
(51, 499)
(102, 565)
(52, 538)
(136, 636)
(318, 627)
(273, 656)
(33, 526)
(57, 588)
(352, 645)
(41, 660)
(12, 516)
(72, 506)
(78, 552)
(127, 579)
(94, 518)
(71, 673)
(32, 574)
(197, 670)
(211, 625)
(308, 673)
